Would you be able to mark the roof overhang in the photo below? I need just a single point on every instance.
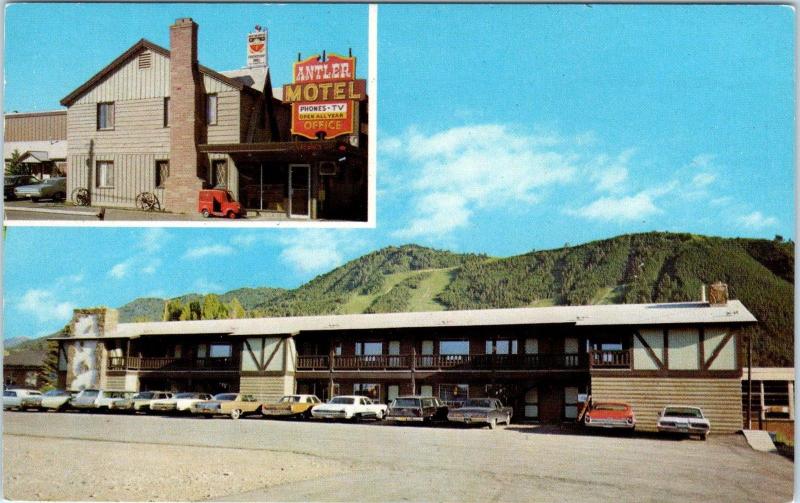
(289, 151)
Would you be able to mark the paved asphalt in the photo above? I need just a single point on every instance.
(448, 463)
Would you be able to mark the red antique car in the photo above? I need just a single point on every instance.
(610, 415)
(219, 203)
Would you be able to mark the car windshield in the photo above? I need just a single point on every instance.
(343, 400)
(90, 392)
(406, 402)
(146, 395)
(187, 395)
(478, 403)
(57, 392)
(225, 397)
(610, 406)
(683, 412)
(289, 399)
(9, 393)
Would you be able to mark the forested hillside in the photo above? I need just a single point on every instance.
(651, 267)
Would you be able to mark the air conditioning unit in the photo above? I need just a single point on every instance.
(327, 168)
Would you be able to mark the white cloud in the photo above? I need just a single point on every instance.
(462, 169)
(317, 250)
(610, 173)
(720, 201)
(44, 306)
(702, 180)
(245, 240)
(701, 161)
(151, 266)
(120, 270)
(757, 220)
(620, 209)
(153, 239)
(208, 251)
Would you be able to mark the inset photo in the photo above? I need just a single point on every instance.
(169, 113)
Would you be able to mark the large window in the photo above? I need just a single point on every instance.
(105, 115)
(372, 391)
(211, 109)
(220, 351)
(219, 173)
(104, 174)
(502, 347)
(162, 173)
(454, 347)
(453, 393)
(369, 348)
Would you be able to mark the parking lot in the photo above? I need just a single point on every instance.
(74, 456)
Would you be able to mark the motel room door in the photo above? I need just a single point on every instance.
(299, 190)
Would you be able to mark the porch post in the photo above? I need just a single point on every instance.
(413, 367)
(331, 355)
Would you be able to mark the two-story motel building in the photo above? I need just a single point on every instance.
(539, 360)
(155, 120)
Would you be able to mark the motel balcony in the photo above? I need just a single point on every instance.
(172, 364)
(582, 361)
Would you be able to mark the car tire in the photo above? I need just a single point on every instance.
(704, 436)
(231, 215)
(493, 423)
(205, 213)
(236, 413)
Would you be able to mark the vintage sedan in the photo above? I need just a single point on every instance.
(234, 405)
(610, 415)
(180, 402)
(14, 398)
(684, 420)
(14, 181)
(489, 411)
(350, 407)
(140, 402)
(51, 188)
(291, 406)
(56, 399)
(422, 409)
(97, 399)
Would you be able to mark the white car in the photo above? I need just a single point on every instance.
(56, 399)
(683, 419)
(349, 407)
(97, 399)
(13, 398)
(180, 402)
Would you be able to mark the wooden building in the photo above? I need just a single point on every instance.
(541, 361)
(40, 140)
(155, 120)
(23, 369)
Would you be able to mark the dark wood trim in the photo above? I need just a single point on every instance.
(262, 365)
(718, 350)
(266, 373)
(701, 349)
(252, 354)
(274, 352)
(650, 352)
(693, 374)
(666, 349)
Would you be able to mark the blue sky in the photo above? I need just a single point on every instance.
(502, 129)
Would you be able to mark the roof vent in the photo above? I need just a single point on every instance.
(145, 60)
(718, 293)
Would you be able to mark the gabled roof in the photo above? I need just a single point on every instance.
(125, 56)
(30, 358)
(51, 149)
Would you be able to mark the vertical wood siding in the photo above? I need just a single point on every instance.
(133, 173)
(226, 130)
(36, 127)
(720, 399)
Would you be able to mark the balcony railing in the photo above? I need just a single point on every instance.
(168, 363)
(446, 362)
(617, 359)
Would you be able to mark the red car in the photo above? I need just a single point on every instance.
(219, 203)
(610, 415)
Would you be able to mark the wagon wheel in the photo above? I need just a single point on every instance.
(148, 201)
(80, 197)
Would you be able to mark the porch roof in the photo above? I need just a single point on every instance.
(682, 313)
(290, 151)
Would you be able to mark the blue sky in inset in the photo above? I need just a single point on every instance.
(502, 129)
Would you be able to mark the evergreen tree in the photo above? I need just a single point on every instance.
(14, 166)
(235, 309)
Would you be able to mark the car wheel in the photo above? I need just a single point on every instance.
(236, 413)
(231, 215)
(35, 199)
(704, 436)
(205, 213)
(306, 414)
(493, 423)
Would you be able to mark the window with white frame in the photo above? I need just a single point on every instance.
(211, 109)
(105, 115)
(104, 174)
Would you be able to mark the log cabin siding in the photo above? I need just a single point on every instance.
(720, 399)
(267, 388)
(36, 126)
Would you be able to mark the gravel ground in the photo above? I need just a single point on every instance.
(105, 471)
(118, 457)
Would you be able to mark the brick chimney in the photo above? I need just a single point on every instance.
(186, 120)
(718, 293)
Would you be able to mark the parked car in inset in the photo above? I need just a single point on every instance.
(234, 405)
(179, 402)
(685, 420)
(610, 415)
(56, 399)
(13, 398)
(421, 409)
(350, 407)
(11, 182)
(97, 399)
(51, 188)
(291, 406)
(489, 411)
